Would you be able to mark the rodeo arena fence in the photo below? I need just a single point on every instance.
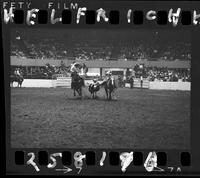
(63, 81)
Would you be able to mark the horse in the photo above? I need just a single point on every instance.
(93, 90)
(77, 84)
(110, 87)
(16, 78)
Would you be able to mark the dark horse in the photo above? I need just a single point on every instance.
(77, 84)
(16, 78)
(110, 86)
(93, 90)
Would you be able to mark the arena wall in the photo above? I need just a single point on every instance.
(16, 61)
(185, 86)
(39, 83)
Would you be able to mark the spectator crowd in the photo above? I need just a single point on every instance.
(99, 46)
(86, 51)
(163, 74)
(119, 45)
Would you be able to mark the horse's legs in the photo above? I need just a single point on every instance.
(110, 97)
(80, 92)
(114, 94)
(106, 93)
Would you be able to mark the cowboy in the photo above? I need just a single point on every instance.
(95, 83)
(75, 70)
(17, 72)
(131, 82)
(109, 76)
(75, 67)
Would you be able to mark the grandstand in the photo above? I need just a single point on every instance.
(165, 55)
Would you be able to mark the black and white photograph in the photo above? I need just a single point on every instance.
(100, 88)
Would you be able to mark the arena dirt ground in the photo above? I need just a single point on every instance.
(140, 119)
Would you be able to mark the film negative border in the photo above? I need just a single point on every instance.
(76, 162)
(95, 13)
(135, 17)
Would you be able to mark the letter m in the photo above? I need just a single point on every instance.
(74, 6)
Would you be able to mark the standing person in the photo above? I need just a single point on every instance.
(17, 73)
(119, 81)
(124, 80)
(141, 81)
(131, 82)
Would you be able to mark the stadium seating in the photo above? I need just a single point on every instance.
(99, 46)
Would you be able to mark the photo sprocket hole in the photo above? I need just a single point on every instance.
(42, 17)
(186, 18)
(162, 158)
(90, 158)
(19, 158)
(43, 158)
(114, 158)
(162, 17)
(138, 159)
(66, 17)
(114, 17)
(66, 158)
(185, 159)
(90, 17)
(138, 17)
(18, 16)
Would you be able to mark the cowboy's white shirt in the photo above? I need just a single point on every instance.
(74, 69)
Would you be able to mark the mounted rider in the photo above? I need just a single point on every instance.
(75, 69)
(109, 76)
(17, 77)
(17, 73)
